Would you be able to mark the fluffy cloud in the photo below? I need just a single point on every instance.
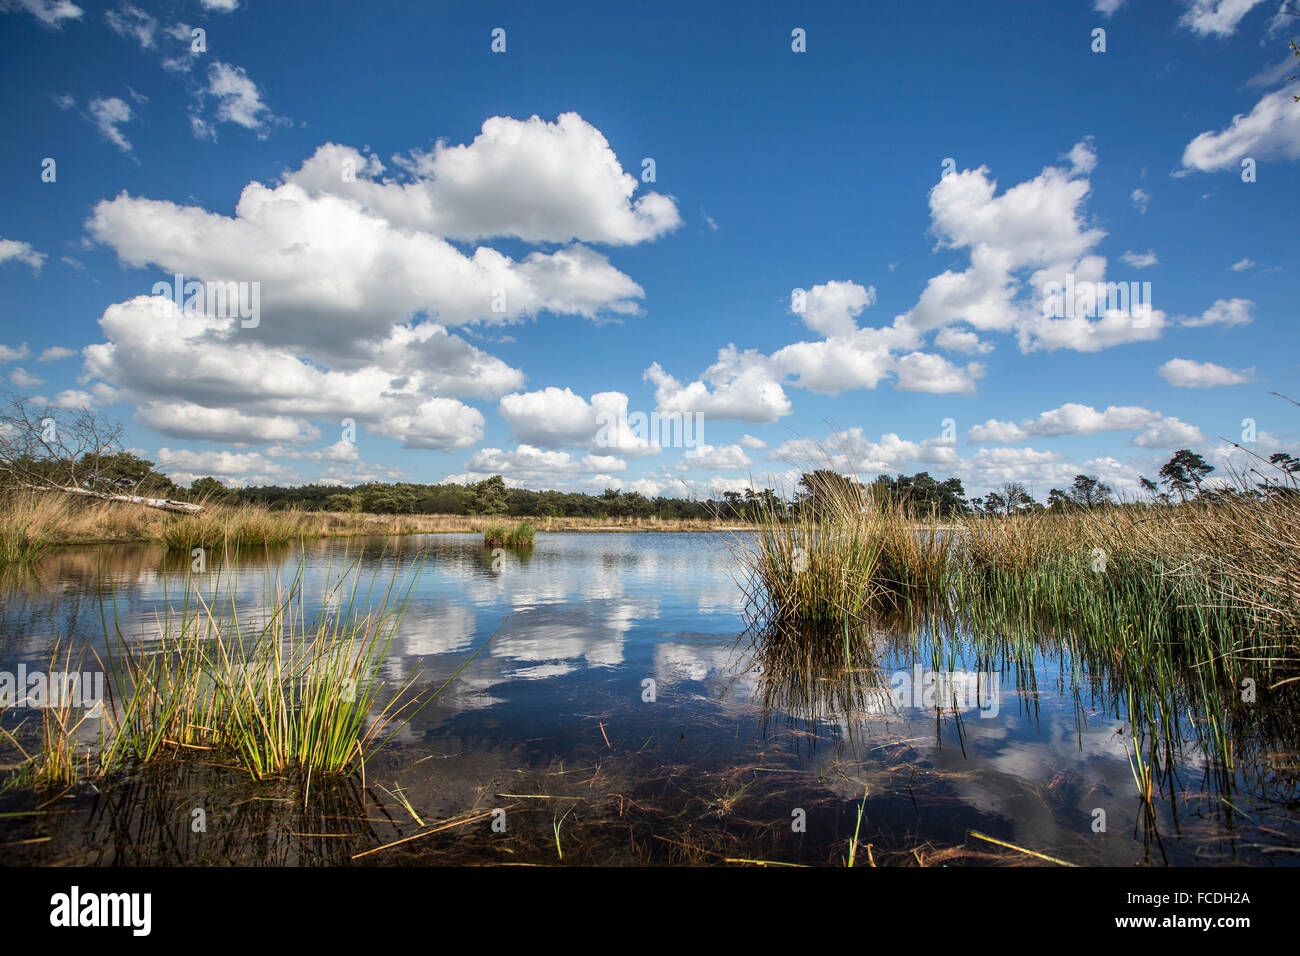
(527, 463)
(1271, 130)
(1168, 433)
(830, 309)
(749, 386)
(358, 285)
(1186, 373)
(1141, 260)
(1082, 157)
(555, 418)
(110, 113)
(1070, 419)
(446, 363)
(953, 339)
(1040, 471)
(1140, 323)
(1037, 223)
(341, 451)
(919, 372)
(740, 386)
(436, 423)
(833, 366)
(851, 452)
(1216, 17)
(552, 417)
(187, 420)
(21, 252)
(220, 463)
(331, 271)
(235, 98)
(190, 370)
(131, 22)
(1227, 312)
(990, 467)
(529, 467)
(51, 13)
(1156, 430)
(529, 179)
(715, 458)
(69, 398)
(1020, 244)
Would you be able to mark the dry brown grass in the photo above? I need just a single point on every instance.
(42, 520)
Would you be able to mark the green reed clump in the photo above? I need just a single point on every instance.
(1123, 577)
(1211, 580)
(502, 536)
(815, 570)
(275, 692)
(60, 757)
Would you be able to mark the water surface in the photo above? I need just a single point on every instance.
(622, 714)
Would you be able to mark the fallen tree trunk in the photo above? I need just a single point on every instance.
(162, 504)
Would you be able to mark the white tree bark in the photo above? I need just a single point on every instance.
(162, 504)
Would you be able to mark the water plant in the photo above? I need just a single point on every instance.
(815, 570)
(281, 691)
(502, 536)
(1215, 580)
(1153, 611)
(60, 757)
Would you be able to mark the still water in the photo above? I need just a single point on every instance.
(620, 711)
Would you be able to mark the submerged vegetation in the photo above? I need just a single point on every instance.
(270, 691)
(281, 692)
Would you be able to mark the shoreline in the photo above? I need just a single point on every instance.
(47, 524)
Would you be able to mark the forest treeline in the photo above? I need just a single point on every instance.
(1182, 478)
(82, 454)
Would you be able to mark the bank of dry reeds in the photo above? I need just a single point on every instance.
(33, 522)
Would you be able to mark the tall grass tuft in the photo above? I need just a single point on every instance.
(810, 571)
(232, 528)
(502, 536)
(60, 758)
(24, 528)
(276, 692)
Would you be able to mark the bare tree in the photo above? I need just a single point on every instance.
(1014, 496)
(74, 452)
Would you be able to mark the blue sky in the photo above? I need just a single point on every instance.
(458, 251)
